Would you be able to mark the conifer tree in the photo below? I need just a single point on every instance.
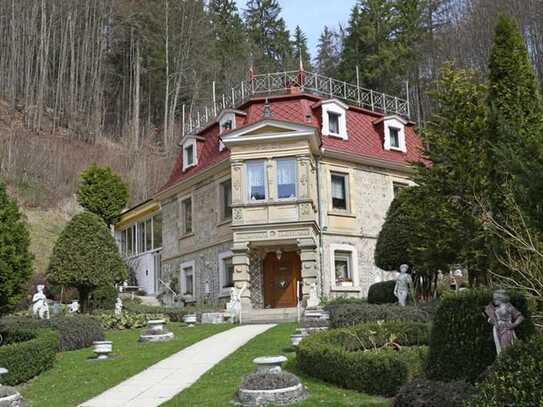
(271, 46)
(327, 59)
(300, 49)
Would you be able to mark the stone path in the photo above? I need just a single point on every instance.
(170, 376)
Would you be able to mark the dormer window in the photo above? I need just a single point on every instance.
(227, 125)
(334, 119)
(227, 122)
(190, 158)
(394, 133)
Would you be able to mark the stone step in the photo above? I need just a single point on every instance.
(271, 315)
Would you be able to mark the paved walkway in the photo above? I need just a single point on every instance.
(170, 376)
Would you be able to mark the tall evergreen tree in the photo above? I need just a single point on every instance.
(271, 46)
(327, 59)
(300, 49)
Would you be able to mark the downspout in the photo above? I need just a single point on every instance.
(321, 223)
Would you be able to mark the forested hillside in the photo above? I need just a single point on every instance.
(106, 80)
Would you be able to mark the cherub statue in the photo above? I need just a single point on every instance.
(73, 307)
(403, 285)
(118, 306)
(505, 318)
(40, 308)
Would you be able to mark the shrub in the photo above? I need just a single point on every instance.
(15, 257)
(174, 314)
(344, 315)
(461, 342)
(127, 320)
(75, 331)
(269, 381)
(344, 300)
(29, 358)
(86, 256)
(103, 298)
(382, 293)
(339, 356)
(102, 192)
(424, 393)
(516, 379)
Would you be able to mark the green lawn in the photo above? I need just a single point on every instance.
(217, 387)
(75, 379)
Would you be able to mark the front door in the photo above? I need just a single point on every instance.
(281, 278)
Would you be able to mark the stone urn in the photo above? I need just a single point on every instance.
(190, 319)
(102, 349)
(9, 396)
(156, 326)
(156, 332)
(296, 338)
(272, 364)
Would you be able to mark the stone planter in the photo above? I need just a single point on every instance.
(296, 339)
(156, 325)
(102, 349)
(190, 319)
(280, 397)
(156, 332)
(9, 397)
(269, 364)
(213, 318)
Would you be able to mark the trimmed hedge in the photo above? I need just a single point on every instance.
(382, 293)
(75, 331)
(174, 314)
(338, 356)
(345, 315)
(103, 298)
(461, 342)
(425, 393)
(27, 359)
(127, 320)
(516, 379)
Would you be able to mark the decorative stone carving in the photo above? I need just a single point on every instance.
(505, 318)
(40, 308)
(118, 306)
(237, 214)
(403, 285)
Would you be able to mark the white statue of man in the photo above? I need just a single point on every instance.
(40, 308)
(313, 300)
(403, 285)
(234, 305)
(118, 306)
(73, 307)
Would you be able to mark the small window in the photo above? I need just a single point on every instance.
(343, 268)
(188, 281)
(227, 125)
(286, 178)
(186, 207)
(339, 191)
(123, 242)
(189, 154)
(157, 231)
(228, 273)
(141, 237)
(256, 180)
(394, 137)
(226, 200)
(130, 241)
(149, 234)
(333, 122)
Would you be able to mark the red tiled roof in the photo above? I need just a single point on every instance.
(365, 136)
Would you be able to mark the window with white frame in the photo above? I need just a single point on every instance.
(256, 180)
(344, 266)
(286, 178)
(141, 237)
(334, 119)
(394, 129)
(339, 191)
(190, 158)
(226, 272)
(187, 279)
(186, 215)
(226, 200)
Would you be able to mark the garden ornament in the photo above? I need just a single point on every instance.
(403, 285)
(40, 308)
(73, 307)
(118, 306)
(504, 318)
(313, 300)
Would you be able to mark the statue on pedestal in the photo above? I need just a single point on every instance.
(313, 300)
(40, 308)
(403, 285)
(233, 307)
(118, 306)
(505, 318)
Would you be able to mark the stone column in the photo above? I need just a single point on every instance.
(308, 257)
(240, 261)
(303, 177)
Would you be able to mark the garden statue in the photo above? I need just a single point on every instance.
(403, 285)
(40, 308)
(233, 307)
(118, 306)
(73, 308)
(313, 300)
(505, 318)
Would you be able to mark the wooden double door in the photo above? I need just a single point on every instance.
(281, 278)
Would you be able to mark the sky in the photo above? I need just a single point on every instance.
(312, 16)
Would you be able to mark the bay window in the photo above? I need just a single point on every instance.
(256, 180)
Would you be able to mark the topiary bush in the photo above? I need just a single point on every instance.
(348, 357)
(344, 315)
(516, 379)
(27, 359)
(461, 342)
(103, 298)
(382, 293)
(426, 393)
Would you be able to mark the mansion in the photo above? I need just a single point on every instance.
(286, 188)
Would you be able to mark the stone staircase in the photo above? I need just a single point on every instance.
(271, 315)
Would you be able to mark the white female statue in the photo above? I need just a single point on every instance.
(118, 306)
(40, 308)
(403, 285)
(505, 318)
